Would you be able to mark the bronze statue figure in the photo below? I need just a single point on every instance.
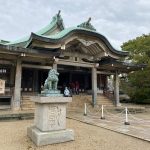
(52, 80)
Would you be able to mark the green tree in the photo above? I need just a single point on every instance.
(139, 81)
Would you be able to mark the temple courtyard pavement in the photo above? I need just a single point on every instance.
(91, 132)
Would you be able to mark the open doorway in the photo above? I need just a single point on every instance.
(71, 74)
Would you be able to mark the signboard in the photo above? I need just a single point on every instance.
(2, 86)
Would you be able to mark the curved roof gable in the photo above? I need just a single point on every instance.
(68, 32)
(56, 33)
(56, 25)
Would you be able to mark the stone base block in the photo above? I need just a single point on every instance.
(47, 92)
(45, 138)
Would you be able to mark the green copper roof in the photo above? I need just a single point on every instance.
(64, 32)
(4, 42)
(69, 32)
(54, 32)
(56, 20)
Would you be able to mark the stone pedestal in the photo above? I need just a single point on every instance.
(50, 121)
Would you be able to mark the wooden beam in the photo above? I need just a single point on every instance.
(12, 50)
(105, 72)
(76, 54)
(6, 62)
(79, 64)
(8, 56)
(36, 66)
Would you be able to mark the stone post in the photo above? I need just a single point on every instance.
(116, 89)
(17, 89)
(94, 86)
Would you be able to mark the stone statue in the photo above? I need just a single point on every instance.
(50, 114)
(52, 80)
(50, 85)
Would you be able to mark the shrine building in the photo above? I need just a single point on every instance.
(78, 53)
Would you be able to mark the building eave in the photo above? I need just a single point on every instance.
(67, 33)
(122, 67)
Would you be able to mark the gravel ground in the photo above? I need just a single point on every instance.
(87, 137)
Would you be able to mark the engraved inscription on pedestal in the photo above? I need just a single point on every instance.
(56, 117)
(50, 117)
(54, 114)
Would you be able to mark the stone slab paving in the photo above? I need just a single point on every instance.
(16, 115)
(139, 123)
(139, 128)
(13, 136)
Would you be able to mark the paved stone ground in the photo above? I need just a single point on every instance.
(139, 123)
(94, 136)
(13, 136)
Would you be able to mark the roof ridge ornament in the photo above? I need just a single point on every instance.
(58, 13)
(89, 20)
(57, 18)
(87, 25)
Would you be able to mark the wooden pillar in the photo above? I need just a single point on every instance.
(70, 77)
(36, 84)
(55, 66)
(107, 82)
(86, 82)
(116, 89)
(17, 89)
(98, 83)
(12, 75)
(94, 85)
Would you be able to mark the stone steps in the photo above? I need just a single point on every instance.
(25, 108)
(77, 101)
(26, 103)
(103, 100)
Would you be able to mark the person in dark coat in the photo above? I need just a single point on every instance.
(77, 86)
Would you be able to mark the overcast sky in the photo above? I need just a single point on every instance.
(117, 20)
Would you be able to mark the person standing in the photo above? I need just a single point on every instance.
(66, 92)
(77, 87)
(73, 87)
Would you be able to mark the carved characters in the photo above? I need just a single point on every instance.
(54, 116)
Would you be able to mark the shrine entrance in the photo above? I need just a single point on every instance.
(33, 80)
(72, 74)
